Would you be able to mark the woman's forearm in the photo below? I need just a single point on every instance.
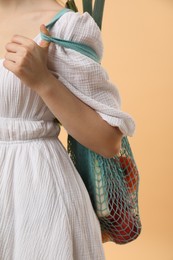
(80, 120)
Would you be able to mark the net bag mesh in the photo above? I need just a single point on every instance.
(112, 185)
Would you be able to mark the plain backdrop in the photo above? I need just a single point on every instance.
(138, 56)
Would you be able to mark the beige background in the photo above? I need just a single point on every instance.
(138, 55)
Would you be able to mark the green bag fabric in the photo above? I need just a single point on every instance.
(113, 188)
(111, 183)
(80, 47)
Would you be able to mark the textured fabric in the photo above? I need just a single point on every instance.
(88, 81)
(45, 209)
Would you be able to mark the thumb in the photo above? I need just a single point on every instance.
(44, 43)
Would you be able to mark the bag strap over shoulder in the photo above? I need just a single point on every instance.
(57, 16)
(77, 46)
(96, 13)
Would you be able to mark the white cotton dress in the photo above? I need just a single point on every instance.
(45, 209)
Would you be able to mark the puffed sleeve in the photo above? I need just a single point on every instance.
(84, 77)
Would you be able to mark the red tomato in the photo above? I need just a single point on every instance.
(122, 226)
(130, 173)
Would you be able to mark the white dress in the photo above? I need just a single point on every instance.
(45, 209)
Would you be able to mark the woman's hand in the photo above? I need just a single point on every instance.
(28, 60)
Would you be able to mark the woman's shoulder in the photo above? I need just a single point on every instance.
(77, 27)
(77, 20)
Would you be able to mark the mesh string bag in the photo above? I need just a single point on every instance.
(113, 188)
(113, 183)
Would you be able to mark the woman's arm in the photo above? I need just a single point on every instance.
(28, 61)
(80, 120)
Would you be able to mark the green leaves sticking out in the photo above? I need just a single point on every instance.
(71, 5)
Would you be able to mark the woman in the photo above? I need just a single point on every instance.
(45, 210)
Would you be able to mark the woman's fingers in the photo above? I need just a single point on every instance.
(22, 44)
(19, 46)
(10, 65)
(26, 59)
(44, 30)
(11, 56)
(16, 50)
(12, 47)
(20, 39)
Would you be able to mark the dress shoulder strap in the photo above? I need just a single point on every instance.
(57, 16)
(77, 46)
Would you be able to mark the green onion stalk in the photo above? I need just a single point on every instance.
(71, 5)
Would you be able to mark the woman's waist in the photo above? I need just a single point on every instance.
(26, 129)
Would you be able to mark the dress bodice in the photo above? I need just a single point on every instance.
(23, 114)
(18, 100)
